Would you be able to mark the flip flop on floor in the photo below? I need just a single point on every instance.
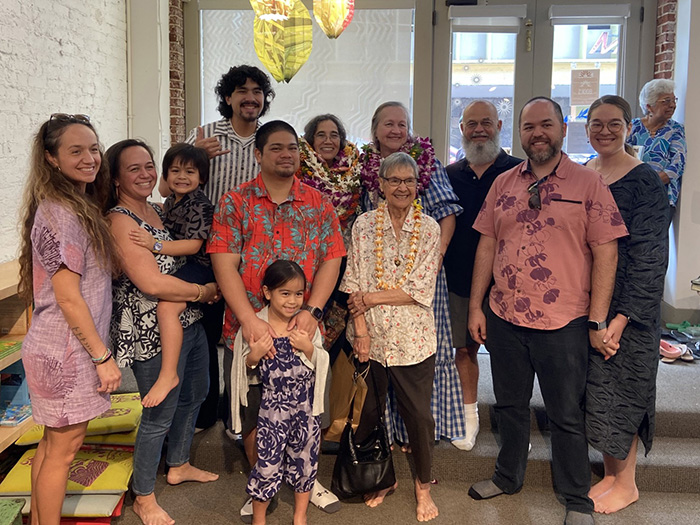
(680, 336)
(678, 326)
(669, 353)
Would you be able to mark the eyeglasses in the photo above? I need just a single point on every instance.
(667, 101)
(395, 182)
(613, 126)
(66, 117)
(534, 202)
(322, 135)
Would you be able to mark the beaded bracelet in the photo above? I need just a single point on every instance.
(200, 288)
(105, 357)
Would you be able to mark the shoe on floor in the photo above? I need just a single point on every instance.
(246, 512)
(578, 518)
(232, 435)
(324, 499)
(484, 490)
(469, 440)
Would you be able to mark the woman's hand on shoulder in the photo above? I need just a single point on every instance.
(141, 237)
(301, 341)
(110, 376)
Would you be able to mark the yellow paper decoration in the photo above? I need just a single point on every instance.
(333, 15)
(283, 46)
(272, 9)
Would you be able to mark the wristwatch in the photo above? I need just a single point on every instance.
(316, 312)
(597, 325)
(157, 247)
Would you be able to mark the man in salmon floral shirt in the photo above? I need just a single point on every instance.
(549, 230)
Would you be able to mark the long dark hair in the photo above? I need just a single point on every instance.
(46, 182)
(113, 158)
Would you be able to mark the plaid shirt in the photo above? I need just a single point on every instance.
(304, 229)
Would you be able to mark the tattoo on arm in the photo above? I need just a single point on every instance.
(83, 340)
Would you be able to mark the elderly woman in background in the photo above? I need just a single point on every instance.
(134, 331)
(621, 387)
(662, 139)
(391, 132)
(331, 164)
(391, 274)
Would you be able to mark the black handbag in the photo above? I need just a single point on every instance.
(365, 467)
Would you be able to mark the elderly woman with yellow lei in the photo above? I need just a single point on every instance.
(392, 269)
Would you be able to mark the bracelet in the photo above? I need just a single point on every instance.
(105, 357)
(361, 336)
(102, 362)
(200, 288)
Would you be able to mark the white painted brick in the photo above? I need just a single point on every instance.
(55, 55)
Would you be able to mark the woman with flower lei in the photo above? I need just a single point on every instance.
(331, 164)
(392, 268)
(391, 132)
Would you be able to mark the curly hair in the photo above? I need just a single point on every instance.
(236, 77)
(312, 126)
(47, 183)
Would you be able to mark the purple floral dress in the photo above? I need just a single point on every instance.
(61, 377)
(288, 435)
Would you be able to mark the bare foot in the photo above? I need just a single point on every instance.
(426, 509)
(159, 391)
(601, 487)
(615, 499)
(150, 513)
(299, 520)
(374, 499)
(187, 472)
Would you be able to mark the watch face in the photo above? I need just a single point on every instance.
(157, 246)
(316, 312)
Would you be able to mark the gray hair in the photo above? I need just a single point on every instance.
(377, 113)
(652, 90)
(397, 160)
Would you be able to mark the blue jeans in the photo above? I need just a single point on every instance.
(176, 415)
(560, 360)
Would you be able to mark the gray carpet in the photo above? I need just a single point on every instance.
(669, 478)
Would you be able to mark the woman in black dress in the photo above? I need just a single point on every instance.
(621, 390)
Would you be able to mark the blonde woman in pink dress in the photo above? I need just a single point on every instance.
(66, 269)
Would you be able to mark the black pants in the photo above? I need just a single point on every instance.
(414, 387)
(213, 323)
(560, 359)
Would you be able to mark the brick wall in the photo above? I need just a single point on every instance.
(64, 56)
(177, 72)
(665, 38)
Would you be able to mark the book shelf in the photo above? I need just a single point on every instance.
(15, 316)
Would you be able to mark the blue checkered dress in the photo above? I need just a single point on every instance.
(439, 201)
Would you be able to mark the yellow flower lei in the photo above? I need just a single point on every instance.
(379, 246)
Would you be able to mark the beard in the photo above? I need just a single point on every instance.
(540, 157)
(478, 153)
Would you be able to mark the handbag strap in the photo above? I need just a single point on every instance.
(367, 371)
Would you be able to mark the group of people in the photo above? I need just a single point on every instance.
(262, 239)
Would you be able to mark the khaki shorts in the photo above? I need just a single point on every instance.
(459, 320)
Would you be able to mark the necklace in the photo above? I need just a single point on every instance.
(379, 247)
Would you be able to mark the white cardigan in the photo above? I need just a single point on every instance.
(242, 377)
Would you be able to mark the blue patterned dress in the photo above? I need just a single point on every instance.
(447, 404)
(288, 437)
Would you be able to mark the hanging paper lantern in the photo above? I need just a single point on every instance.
(333, 15)
(283, 46)
(272, 9)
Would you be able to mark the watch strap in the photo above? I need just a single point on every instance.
(597, 325)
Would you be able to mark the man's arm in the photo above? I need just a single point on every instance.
(481, 278)
(321, 289)
(225, 267)
(602, 286)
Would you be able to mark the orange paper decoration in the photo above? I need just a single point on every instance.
(333, 15)
(283, 46)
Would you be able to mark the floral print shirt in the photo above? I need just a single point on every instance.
(664, 151)
(543, 261)
(399, 335)
(303, 229)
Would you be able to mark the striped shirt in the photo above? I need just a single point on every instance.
(231, 169)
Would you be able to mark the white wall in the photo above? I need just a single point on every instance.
(55, 56)
(681, 301)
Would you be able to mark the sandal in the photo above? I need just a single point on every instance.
(669, 353)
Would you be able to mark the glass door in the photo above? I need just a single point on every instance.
(565, 49)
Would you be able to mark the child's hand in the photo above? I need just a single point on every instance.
(259, 349)
(301, 341)
(142, 238)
